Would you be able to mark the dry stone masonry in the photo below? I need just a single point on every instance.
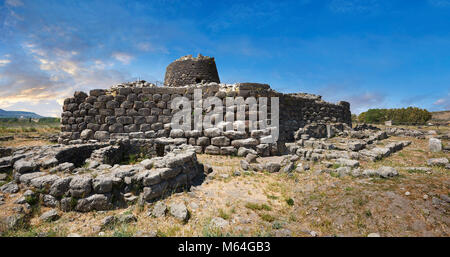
(143, 110)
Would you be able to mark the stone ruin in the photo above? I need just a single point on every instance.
(92, 167)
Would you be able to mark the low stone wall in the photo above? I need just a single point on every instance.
(102, 183)
(142, 111)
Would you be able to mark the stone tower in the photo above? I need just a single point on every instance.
(191, 70)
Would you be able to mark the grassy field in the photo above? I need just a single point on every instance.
(27, 132)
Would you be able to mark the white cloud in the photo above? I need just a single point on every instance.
(4, 62)
(122, 57)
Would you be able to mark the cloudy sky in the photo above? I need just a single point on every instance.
(384, 54)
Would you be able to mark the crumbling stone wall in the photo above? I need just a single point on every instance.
(191, 70)
(142, 111)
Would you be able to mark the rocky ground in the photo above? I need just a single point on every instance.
(400, 193)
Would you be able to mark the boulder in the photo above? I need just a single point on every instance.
(48, 216)
(158, 210)
(80, 186)
(437, 161)
(60, 187)
(348, 162)
(272, 167)
(435, 145)
(24, 166)
(87, 134)
(10, 188)
(179, 211)
(98, 202)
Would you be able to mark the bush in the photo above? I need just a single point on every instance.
(410, 115)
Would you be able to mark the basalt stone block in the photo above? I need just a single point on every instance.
(138, 105)
(130, 128)
(212, 150)
(157, 126)
(110, 120)
(106, 112)
(228, 150)
(127, 104)
(105, 98)
(149, 104)
(139, 120)
(156, 97)
(101, 135)
(97, 92)
(145, 127)
(156, 111)
(203, 141)
(116, 128)
(99, 105)
(124, 91)
(132, 112)
(93, 126)
(144, 111)
(120, 98)
(87, 134)
(151, 119)
(120, 112)
(112, 104)
(90, 99)
(132, 97)
(220, 141)
(125, 120)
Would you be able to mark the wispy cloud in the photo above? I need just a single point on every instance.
(14, 3)
(354, 6)
(440, 3)
(122, 57)
(443, 103)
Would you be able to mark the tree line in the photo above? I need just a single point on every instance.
(410, 115)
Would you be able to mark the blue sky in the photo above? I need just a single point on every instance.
(374, 54)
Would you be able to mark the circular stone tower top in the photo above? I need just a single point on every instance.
(191, 70)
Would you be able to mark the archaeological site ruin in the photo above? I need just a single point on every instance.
(117, 146)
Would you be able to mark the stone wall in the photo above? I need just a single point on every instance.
(142, 111)
(188, 70)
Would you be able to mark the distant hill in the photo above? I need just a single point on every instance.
(19, 114)
(441, 117)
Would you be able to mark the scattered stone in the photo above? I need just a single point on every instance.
(219, 222)
(108, 221)
(251, 158)
(437, 161)
(179, 211)
(24, 166)
(48, 216)
(289, 167)
(373, 235)
(244, 164)
(435, 145)
(10, 188)
(348, 162)
(50, 201)
(127, 218)
(272, 167)
(158, 210)
(407, 193)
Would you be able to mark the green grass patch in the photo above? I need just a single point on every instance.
(258, 207)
